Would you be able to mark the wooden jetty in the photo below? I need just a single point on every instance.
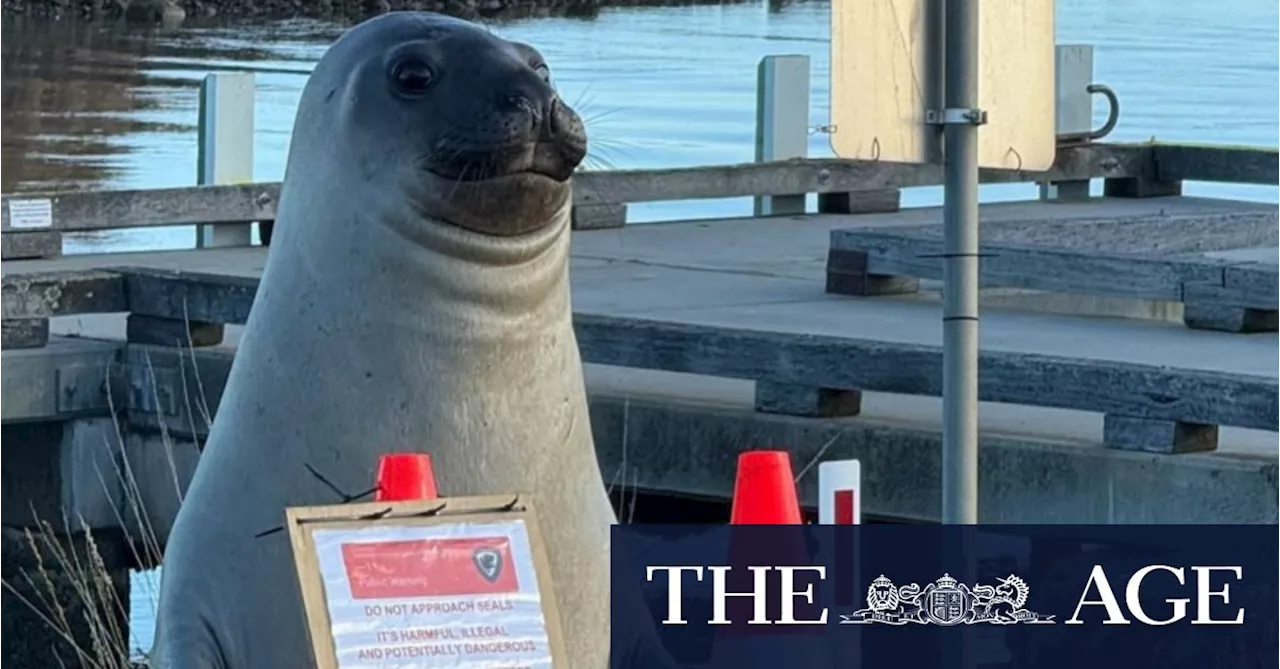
(813, 311)
(1128, 366)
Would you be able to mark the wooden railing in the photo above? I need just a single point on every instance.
(600, 198)
(122, 209)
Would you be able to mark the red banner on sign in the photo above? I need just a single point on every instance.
(430, 568)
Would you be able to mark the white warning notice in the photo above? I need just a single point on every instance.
(458, 595)
(30, 214)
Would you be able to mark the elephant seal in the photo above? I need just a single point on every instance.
(415, 298)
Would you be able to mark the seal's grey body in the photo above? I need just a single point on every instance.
(415, 297)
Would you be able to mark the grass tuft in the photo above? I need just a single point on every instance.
(63, 573)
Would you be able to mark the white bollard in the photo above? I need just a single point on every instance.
(1073, 110)
(840, 503)
(782, 123)
(840, 492)
(226, 148)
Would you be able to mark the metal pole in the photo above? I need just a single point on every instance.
(960, 306)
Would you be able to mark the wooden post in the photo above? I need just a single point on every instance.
(1150, 435)
(1073, 111)
(226, 148)
(599, 216)
(782, 123)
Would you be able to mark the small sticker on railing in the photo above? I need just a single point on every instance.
(30, 214)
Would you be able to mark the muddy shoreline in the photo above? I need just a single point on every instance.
(172, 12)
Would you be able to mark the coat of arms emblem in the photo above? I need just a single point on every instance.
(946, 601)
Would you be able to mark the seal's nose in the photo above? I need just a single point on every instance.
(528, 97)
(553, 121)
(552, 125)
(520, 103)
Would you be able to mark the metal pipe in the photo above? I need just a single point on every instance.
(960, 304)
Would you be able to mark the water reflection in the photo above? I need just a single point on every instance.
(67, 89)
(76, 93)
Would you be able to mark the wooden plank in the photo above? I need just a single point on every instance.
(1255, 279)
(1036, 268)
(800, 400)
(1182, 225)
(141, 329)
(599, 216)
(24, 332)
(105, 210)
(1143, 391)
(46, 294)
(847, 275)
(1140, 187)
(44, 244)
(860, 202)
(1232, 164)
(195, 297)
(257, 202)
(833, 175)
(1157, 436)
(1225, 318)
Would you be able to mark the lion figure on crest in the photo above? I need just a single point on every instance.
(882, 596)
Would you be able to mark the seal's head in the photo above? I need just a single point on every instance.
(465, 123)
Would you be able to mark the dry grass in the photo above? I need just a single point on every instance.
(628, 507)
(70, 587)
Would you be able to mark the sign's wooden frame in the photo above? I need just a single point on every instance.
(303, 521)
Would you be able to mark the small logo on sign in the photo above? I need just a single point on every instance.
(488, 562)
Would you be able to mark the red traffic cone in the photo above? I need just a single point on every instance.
(765, 490)
(405, 477)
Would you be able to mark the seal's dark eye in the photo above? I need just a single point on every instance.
(543, 71)
(412, 77)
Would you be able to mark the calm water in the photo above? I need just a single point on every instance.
(98, 107)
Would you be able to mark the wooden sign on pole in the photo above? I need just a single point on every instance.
(426, 584)
(887, 70)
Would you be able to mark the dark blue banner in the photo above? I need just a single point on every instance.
(907, 596)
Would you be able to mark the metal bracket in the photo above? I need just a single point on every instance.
(82, 388)
(955, 117)
(152, 397)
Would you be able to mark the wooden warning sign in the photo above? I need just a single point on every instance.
(887, 79)
(449, 582)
